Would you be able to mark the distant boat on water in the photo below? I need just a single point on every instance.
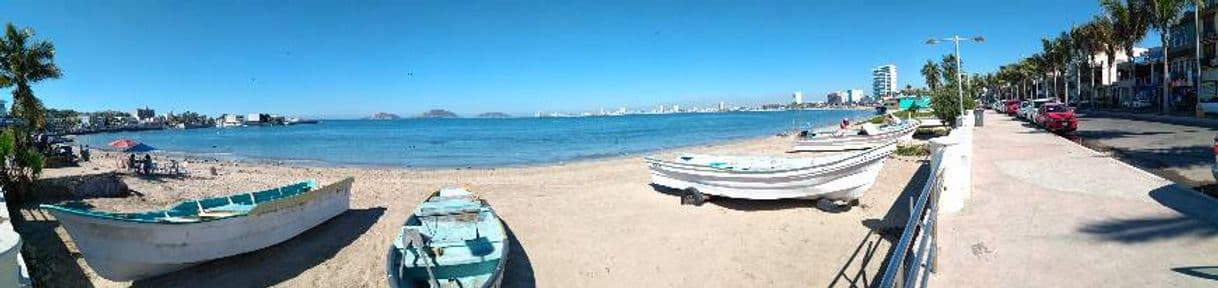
(453, 239)
(132, 246)
(295, 121)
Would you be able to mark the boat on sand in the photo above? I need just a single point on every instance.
(453, 239)
(133, 246)
(840, 177)
(869, 136)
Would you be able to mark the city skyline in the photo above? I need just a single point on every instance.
(517, 59)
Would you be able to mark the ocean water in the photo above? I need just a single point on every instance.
(473, 142)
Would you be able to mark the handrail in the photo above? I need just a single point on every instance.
(923, 217)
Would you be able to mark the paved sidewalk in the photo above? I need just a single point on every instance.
(1046, 212)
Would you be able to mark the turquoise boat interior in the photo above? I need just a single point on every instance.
(464, 244)
(194, 211)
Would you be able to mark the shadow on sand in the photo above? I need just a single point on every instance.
(1203, 272)
(50, 262)
(1196, 219)
(271, 265)
(887, 229)
(519, 269)
(742, 204)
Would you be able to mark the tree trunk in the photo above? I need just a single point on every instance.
(1163, 38)
(1091, 71)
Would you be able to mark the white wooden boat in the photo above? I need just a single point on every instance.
(875, 137)
(843, 177)
(132, 246)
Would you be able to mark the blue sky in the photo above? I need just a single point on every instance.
(338, 60)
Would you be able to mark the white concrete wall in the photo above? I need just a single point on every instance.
(952, 160)
(12, 267)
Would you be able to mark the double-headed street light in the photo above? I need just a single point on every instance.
(956, 40)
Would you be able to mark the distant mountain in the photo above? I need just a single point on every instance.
(383, 116)
(494, 115)
(438, 113)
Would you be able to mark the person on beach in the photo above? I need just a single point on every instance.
(841, 131)
(147, 164)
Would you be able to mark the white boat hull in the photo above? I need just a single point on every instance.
(854, 142)
(846, 179)
(124, 251)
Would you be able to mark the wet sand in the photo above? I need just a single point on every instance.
(593, 223)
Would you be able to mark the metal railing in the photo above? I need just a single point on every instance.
(910, 265)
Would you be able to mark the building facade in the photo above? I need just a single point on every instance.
(855, 96)
(835, 98)
(884, 81)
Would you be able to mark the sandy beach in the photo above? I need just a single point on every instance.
(593, 223)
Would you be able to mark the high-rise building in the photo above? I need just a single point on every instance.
(835, 98)
(884, 81)
(799, 97)
(854, 96)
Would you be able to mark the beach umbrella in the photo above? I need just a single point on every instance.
(123, 143)
(139, 148)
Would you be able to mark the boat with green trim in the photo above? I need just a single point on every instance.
(132, 246)
(453, 239)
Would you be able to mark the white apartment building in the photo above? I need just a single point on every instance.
(884, 81)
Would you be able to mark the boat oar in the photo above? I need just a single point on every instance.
(414, 238)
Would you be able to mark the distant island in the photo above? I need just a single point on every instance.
(438, 113)
(383, 116)
(494, 115)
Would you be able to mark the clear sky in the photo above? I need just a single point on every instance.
(353, 58)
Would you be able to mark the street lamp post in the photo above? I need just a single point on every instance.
(956, 41)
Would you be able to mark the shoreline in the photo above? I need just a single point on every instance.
(309, 163)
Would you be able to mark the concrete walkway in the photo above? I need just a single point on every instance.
(1046, 212)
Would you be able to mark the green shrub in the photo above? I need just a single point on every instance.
(913, 149)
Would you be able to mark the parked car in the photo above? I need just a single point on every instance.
(1214, 168)
(1034, 108)
(1057, 117)
(1138, 102)
(1011, 107)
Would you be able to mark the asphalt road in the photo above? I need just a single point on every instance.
(1181, 153)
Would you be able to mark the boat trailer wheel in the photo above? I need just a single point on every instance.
(693, 197)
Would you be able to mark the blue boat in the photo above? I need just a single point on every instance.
(453, 239)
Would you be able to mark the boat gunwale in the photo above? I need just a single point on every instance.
(113, 216)
(860, 154)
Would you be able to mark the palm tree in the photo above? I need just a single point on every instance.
(1164, 14)
(930, 71)
(22, 63)
(1095, 36)
(1130, 21)
(948, 69)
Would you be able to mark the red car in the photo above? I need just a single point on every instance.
(1012, 107)
(1057, 117)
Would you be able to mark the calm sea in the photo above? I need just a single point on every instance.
(473, 142)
